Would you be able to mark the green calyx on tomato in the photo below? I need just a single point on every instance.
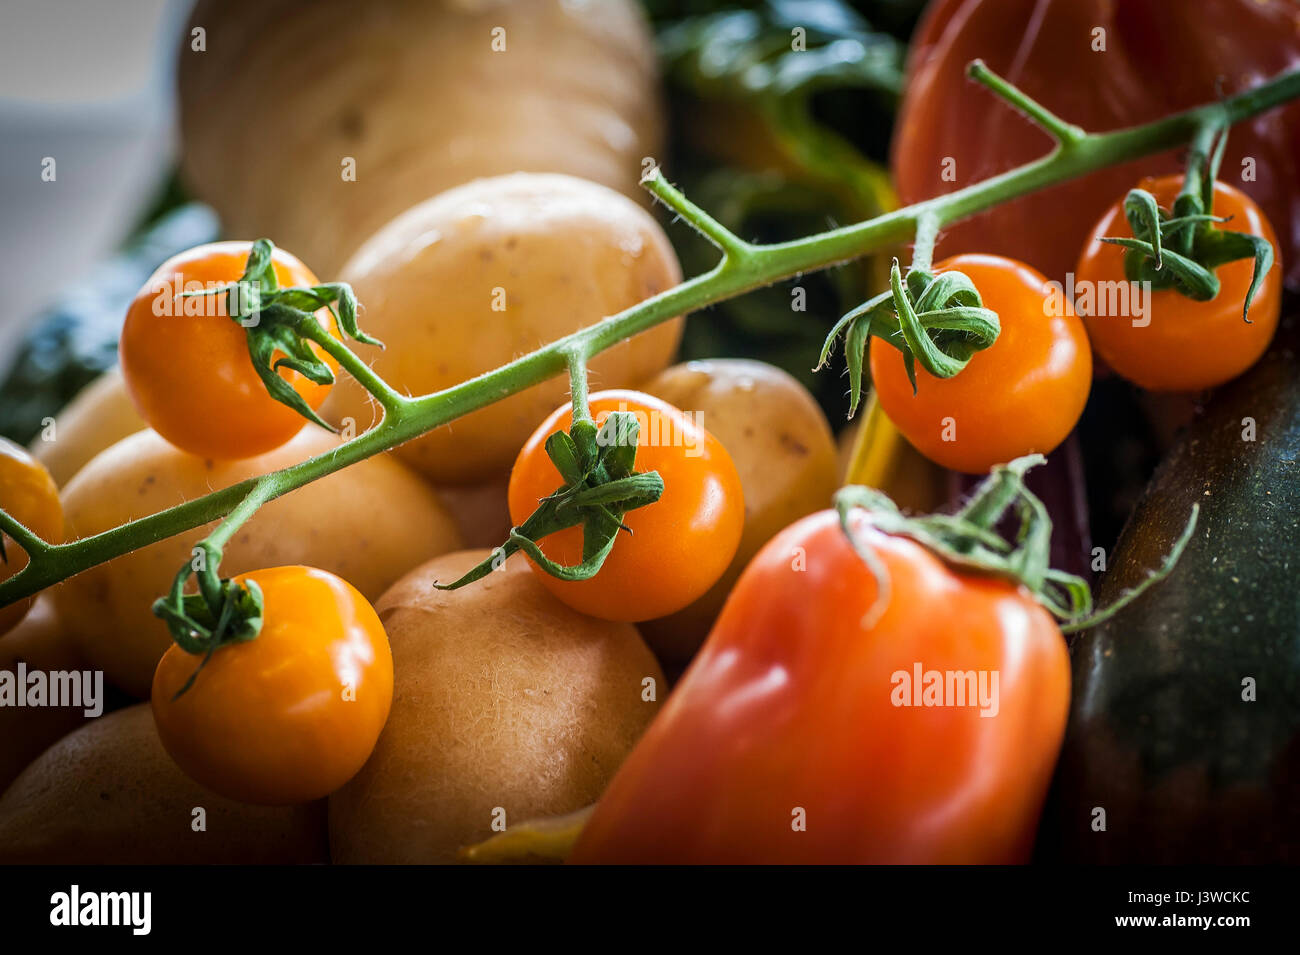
(938, 320)
(280, 324)
(600, 486)
(969, 539)
(1180, 249)
(224, 611)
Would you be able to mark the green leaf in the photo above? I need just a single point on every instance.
(259, 268)
(1144, 218)
(919, 343)
(968, 539)
(261, 348)
(563, 452)
(1231, 246)
(855, 351)
(617, 441)
(1192, 279)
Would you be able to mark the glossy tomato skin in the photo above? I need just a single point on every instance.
(190, 375)
(1159, 57)
(788, 714)
(679, 545)
(1180, 344)
(1022, 394)
(30, 496)
(291, 715)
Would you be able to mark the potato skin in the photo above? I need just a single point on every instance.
(784, 451)
(489, 271)
(502, 697)
(481, 511)
(416, 94)
(99, 416)
(368, 523)
(39, 641)
(109, 793)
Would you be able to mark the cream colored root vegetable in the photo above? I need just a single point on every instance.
(783, 450)
(398, 100)
(507, 706)
(486, 272)
(368, 523)
(109, 793)
(100, 415)
(39, 642)
(481, 510)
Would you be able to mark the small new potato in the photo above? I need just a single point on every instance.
(101, 415)
(368, 523)
(39, 641)
(110, 794)
(489, 271)
(481, 510)
(507, 706)
(783, 450)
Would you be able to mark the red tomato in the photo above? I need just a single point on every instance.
(785, 742)
(679, 545)
(1022, 394)
(1158, 57)
(1179, 344)
(292, 714)
(186, 363)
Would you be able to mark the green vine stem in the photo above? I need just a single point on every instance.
(742, 268)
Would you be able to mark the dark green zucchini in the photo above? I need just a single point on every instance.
(1160, 736)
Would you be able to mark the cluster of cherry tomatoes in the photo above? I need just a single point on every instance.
(293, 714)
(1025, 393)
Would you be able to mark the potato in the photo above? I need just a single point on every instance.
(368, 523)
(109, 793)
(40, 642)
(504, 701)
(484, 273)
(99, 416)
(413, 97)
(783, 450)
(481, 511)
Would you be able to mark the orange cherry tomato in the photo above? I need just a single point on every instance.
(30, 496)
(679, 545)
(800, 734)
(292, 714)
(1178, 343)
(186, 363)
(1128, 62)
(1022, 394)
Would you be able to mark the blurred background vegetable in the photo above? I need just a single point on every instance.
(780, 115)
(1102, 65)
(420, 95)
(1185, 720)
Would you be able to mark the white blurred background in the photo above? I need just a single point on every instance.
(88, 83)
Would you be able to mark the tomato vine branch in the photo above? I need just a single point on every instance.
(743, 267)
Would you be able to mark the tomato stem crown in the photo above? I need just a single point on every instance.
(281, 321)
(600, 486)
(223, 611)
(939, 320)
(1181, 248)
(969, 539)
